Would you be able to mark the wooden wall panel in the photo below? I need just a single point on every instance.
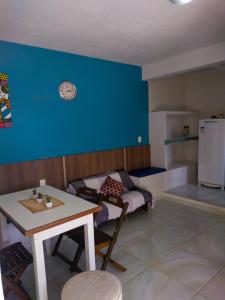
(138, 157)
(88, 164)
(19, 176)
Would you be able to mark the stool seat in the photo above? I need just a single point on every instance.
(93, 285)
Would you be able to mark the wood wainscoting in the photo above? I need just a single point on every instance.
(59, 171)
(83, 165)
(19, 176)
(137, 157)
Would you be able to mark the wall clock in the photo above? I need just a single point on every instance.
(67, 90)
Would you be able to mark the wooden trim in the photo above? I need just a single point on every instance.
(20, 176)
(138, 157)
(29, 233)
(60, 170)
(64, 171)
(89, 164)
(125, 159)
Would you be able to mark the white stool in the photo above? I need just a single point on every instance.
(92, 285)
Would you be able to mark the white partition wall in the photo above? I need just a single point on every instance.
(157, 137)
(172, 149)
(169, 146)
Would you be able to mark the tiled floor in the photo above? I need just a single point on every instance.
(214, 196)
(174, 252)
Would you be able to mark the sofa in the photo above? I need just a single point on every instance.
(135, 196)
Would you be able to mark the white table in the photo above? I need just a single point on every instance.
(43, 225)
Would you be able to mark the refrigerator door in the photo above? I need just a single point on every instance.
(211, 151)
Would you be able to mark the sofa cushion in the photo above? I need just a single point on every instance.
(134, 198)
(95, 183)
(112, 187)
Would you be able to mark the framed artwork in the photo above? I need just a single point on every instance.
(5, 109)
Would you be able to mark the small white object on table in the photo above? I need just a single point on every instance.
(43, 225)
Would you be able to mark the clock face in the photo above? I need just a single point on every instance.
(67, 90)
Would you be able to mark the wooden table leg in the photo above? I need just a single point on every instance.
(39, 268)
(89, 244)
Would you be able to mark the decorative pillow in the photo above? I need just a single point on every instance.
(112, 187)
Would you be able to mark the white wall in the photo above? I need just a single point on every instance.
(203, 91)
(167, 93)
(196, 59)
(198, 90)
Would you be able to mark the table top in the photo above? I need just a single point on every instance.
(29, 223)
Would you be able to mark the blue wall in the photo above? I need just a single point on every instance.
(110, 110)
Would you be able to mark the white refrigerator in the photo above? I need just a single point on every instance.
(211, 152)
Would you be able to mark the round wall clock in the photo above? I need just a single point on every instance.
(67, 90)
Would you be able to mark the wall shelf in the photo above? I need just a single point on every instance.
(180, 113)
(180, 139)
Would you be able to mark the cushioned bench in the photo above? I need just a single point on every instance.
(146, 172)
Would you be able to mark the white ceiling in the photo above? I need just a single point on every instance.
(131, 31)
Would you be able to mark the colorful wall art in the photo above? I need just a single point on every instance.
(5, 110)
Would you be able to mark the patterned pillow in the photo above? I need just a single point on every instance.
(112, 187)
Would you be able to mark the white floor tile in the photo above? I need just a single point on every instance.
(133, 265)
(154, 285)
(200, 297)
(215, 288)
(217, 230)
(190, 269)
(207, 246)
(174, 232)
(148, 248)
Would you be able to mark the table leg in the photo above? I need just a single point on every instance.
(89, 244)
(38, 252)
(1, 288)
(39, 268)
(3, 231)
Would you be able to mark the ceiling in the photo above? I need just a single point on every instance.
(129, 31)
